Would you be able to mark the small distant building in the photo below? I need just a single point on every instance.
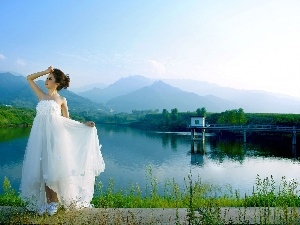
(197, 121)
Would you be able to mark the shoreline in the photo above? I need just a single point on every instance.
(226, 215)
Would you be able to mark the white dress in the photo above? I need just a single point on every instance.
(64, 155)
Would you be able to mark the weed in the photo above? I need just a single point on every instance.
(204, 203)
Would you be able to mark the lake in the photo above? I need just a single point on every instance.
(129, 153)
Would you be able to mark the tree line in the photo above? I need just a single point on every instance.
(172, 120)
(179, 121)
(11, 116)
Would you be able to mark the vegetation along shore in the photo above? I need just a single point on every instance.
(154, 120)
(202, 201)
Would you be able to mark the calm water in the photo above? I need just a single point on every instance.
(128, 153)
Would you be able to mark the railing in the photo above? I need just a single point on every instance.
(254, 127)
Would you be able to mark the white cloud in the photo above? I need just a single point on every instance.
(2, 57)
(21, 62)
(157, 66)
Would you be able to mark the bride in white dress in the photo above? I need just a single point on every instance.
(62, 156)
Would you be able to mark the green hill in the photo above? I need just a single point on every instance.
(16, 92)
(11, 116)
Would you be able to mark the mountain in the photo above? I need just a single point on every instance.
(140, 93)
(121, 87)
(128, 89)
(11, 72)
(16, 91)
(10, 85)
(87, 87)
(160, 96)
(261, 101)
(249, 100)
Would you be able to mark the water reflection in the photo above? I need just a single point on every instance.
(12, 145)
(294, 151)
(197, 152)
(228, 149)
(128, 152)
(7, 134)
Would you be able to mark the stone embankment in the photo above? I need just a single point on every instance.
(228, 215)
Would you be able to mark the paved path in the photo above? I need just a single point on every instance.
(153, 216)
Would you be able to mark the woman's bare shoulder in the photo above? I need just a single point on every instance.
(63, 100)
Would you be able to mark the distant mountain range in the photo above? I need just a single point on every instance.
(87, 87)
(160, 95)
(121, 87)
(138, 92)
(16, 91)
(250, 100)
(141, 93)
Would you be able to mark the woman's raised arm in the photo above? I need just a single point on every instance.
(33, 85)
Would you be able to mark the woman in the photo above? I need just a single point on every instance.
(62, 156)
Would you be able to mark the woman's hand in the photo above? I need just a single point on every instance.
(50, 69)
(30, 78)
(90, 123)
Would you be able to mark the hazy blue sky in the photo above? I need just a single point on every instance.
(245, 44)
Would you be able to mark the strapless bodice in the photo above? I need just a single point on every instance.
(48, 107)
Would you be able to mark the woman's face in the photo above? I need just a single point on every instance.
(50, 82)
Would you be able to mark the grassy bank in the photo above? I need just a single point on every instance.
(197, 197)
(195, 194)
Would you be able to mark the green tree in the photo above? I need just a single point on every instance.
(165, 112)
(201, 112)
(241, 117)
(234, 116)
(166, 117)
(174, 114)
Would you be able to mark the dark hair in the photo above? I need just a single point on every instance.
(61, 78)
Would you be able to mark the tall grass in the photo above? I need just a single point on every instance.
(265, 194)
(194, 194)
(204, 203)
(9, 196)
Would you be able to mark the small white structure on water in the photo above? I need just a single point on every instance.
(197, 121)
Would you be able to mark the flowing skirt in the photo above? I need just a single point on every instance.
(64, 155)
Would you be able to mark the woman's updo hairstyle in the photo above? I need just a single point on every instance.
(61, 78)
